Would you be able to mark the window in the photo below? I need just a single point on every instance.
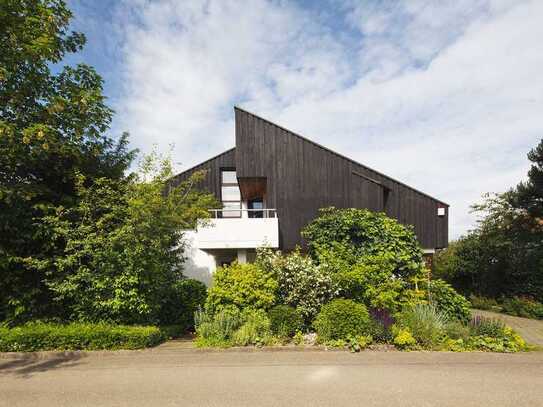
(230, 194)
(440, 211)
(229, 177)
(256, 204)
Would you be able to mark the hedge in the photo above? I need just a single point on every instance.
(38, 336)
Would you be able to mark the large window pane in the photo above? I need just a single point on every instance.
(230, 194)
(229, 177)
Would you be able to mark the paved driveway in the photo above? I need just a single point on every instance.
(168, 377)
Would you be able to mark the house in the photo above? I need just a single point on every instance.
(272, 184)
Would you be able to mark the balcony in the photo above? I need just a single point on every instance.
(238, 229)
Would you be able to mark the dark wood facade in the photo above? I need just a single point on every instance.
(301, 176)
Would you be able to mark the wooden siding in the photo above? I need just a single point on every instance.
(303, 176)
(213, 166)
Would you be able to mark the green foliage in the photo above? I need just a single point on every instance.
(503, 256)
(301, 284)
(228, 326)
(371, 280)
(216, 329)
(492, 335)
(123, 245)
(372, 258)
(457, 330)
(481, 326)
(255, 329)
(357, 233)
(528, 196)
(484, 303)
(181, 301)
(508, 341)
(285, 321)
(523, 307)
(403, 339)
(53, 129)
(298, 338)
(447, 301)
(425, 323)
(40, 336)
(243, 286)
(340, 319)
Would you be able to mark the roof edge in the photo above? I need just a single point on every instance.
(204, 162)
(340, 155)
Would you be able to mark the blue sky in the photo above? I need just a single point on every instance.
(445, 96)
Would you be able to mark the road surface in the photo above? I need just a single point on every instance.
(184, 377)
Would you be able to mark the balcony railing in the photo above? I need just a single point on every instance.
(239, 213)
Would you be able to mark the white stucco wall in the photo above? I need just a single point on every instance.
(199, 264)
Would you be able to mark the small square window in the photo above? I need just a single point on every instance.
(229, 177)
(441, 211)
(230, 194)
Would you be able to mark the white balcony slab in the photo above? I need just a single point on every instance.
(237, 233)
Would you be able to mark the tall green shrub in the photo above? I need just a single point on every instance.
(285, 321)
(181, 301)
(123, 245)
(371, 258)
(301, 283)
(446, 300)
(243, 286)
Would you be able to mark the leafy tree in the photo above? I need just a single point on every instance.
(529, 195)
(503, 256)
(353, 233)
(123, 245)
(52, 139)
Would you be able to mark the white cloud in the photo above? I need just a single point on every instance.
(447, 99)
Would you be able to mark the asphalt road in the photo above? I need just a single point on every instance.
(166, 377)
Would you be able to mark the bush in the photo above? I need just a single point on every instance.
(354, 233)
(39, 336)
(381, 325)
(228, 326)
(372, 258)
(285, 321)
(341, 319)
(216, 329)
(302, 284)
(506, 341)
(484, 303)
(481, 326)
(457, 330)
(425, 323)
(243, 286)
(255, 329)
(181, 302)
(523, 307)
(447, 301)
(403, 338)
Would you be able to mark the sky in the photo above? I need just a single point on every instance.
(446, 96)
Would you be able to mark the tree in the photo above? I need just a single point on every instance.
(529, 195)
(123, 245)
(52, 137)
